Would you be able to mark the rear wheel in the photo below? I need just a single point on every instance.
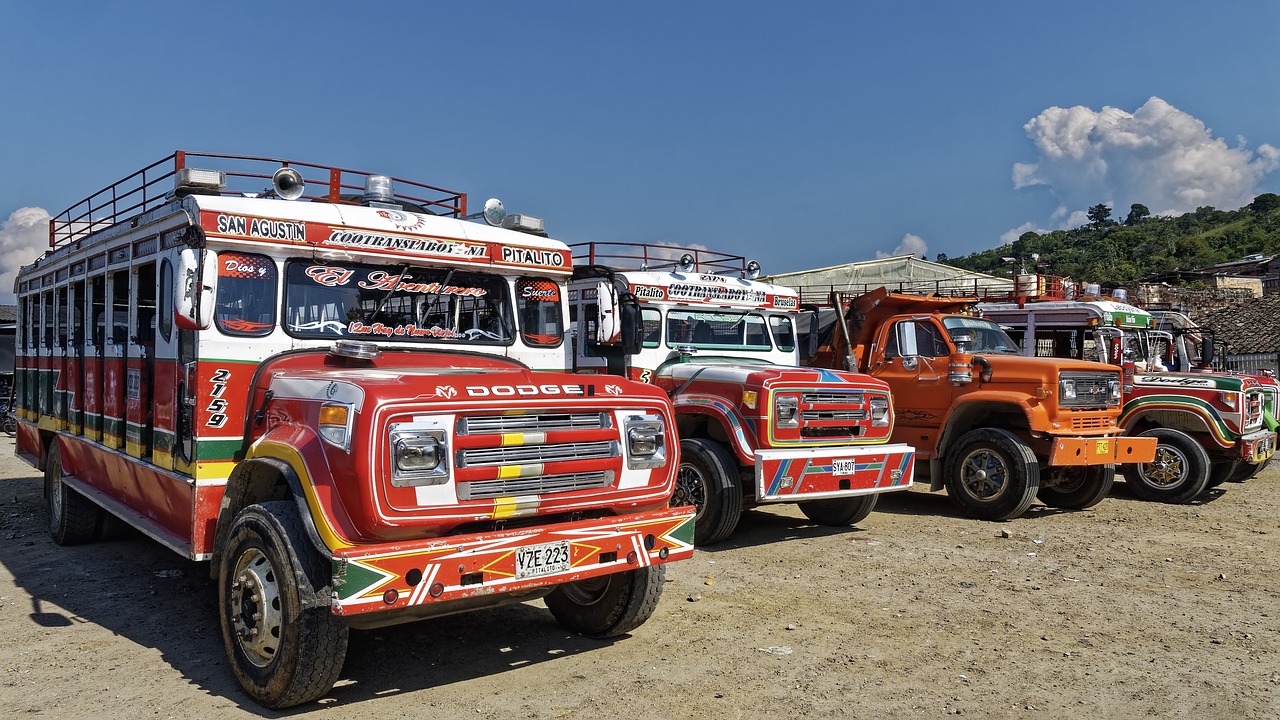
(608, 605)
(1179, 472)
(1079, 488)
(285, 645)
(73, 518)
(839, 511)
(1244, 471)
(708, 480)
(991, 474)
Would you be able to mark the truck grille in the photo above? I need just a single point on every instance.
(525, 423)
(531, 454)
(535, 454)
(1091, 390)
(1254, 401)
(831, 398)
(534, 485)
(830, 414)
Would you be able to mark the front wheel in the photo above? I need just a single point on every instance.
(285, 645)
(839, 512)
(1179, 472)
(708, 480)
(73, 518)
(1079, 488)
(991, 474)
(608, 605)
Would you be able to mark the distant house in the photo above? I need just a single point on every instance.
(1253, 271)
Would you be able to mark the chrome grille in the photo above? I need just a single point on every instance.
(832, 398)
(1091, 390)
(834, 414)
(534, 454)
(1254, 401)
(535, 485)
(497, 424)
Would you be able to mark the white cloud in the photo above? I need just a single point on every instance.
(23, 238)
(1014, 233)
(1158, 156)
(913, 244)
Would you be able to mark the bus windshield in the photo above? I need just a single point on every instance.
(388, 303)
(729, 331)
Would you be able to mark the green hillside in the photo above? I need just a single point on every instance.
(1114, 251)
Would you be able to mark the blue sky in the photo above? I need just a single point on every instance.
(799, 134)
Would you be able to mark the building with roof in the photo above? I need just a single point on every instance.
(906, 273)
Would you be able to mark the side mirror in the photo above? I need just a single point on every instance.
(811, 337)
(609, 323)
(907, 339)
(632, 330)
(1206, 351)
(197, 280)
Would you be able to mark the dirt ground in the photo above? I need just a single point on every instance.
(1130, 609)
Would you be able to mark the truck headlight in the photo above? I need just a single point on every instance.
(1114, 390)
(645, 440)
(418, 456)
(787, 410)
(879, 411)
(1067, 388)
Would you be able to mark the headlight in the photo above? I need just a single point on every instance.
(1114, 390)
(646, 443)
(418, 455)
(879, 412)
(1067, 388)
(787, 410)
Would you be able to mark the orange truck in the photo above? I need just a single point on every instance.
(993, 427)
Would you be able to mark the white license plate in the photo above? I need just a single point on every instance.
(844, 467)
(544, 559)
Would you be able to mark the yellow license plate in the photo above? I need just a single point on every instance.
(1102, 447)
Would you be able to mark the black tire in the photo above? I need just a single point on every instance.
(73, 518)
(1079, 488)
(1245, 471)
(991, 474)
(1179, 473)
(285, 645)
(839, 512)
(1221, 471)
(708, 480)
(608, 605)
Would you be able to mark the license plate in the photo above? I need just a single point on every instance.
(1102, 447)
(844, 467)
(544, 559)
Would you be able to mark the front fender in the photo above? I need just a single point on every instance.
(1181, 412)
(721, 412)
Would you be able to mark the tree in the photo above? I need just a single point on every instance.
(1099, 215)
(1265, 203)
(1137, 213)
(942, 257)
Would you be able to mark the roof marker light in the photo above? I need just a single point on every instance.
(378, 188)
(190, 178)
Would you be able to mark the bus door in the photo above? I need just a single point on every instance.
(95, 340)
(75, 358)
(140, 362)
(117, 340)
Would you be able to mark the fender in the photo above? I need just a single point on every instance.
(715, 407)
(1142, 408)
(292, 452)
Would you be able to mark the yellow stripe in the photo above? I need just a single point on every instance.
(214, 470)
(506, 472)
(279, 451)
(507, 507)
(512, 439)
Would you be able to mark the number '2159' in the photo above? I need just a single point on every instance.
(217, 406)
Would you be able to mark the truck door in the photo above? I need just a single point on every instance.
(921, 393)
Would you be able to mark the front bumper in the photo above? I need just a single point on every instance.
(1257, 447)
(814, 473)
(1078, 451)
(400, 576)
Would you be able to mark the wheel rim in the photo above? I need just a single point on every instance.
(1168, 470)
(691, 489)
(586, 592)
(55, 495)
(984, 474)
(256, 616)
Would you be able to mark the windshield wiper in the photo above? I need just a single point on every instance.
(368, 317)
